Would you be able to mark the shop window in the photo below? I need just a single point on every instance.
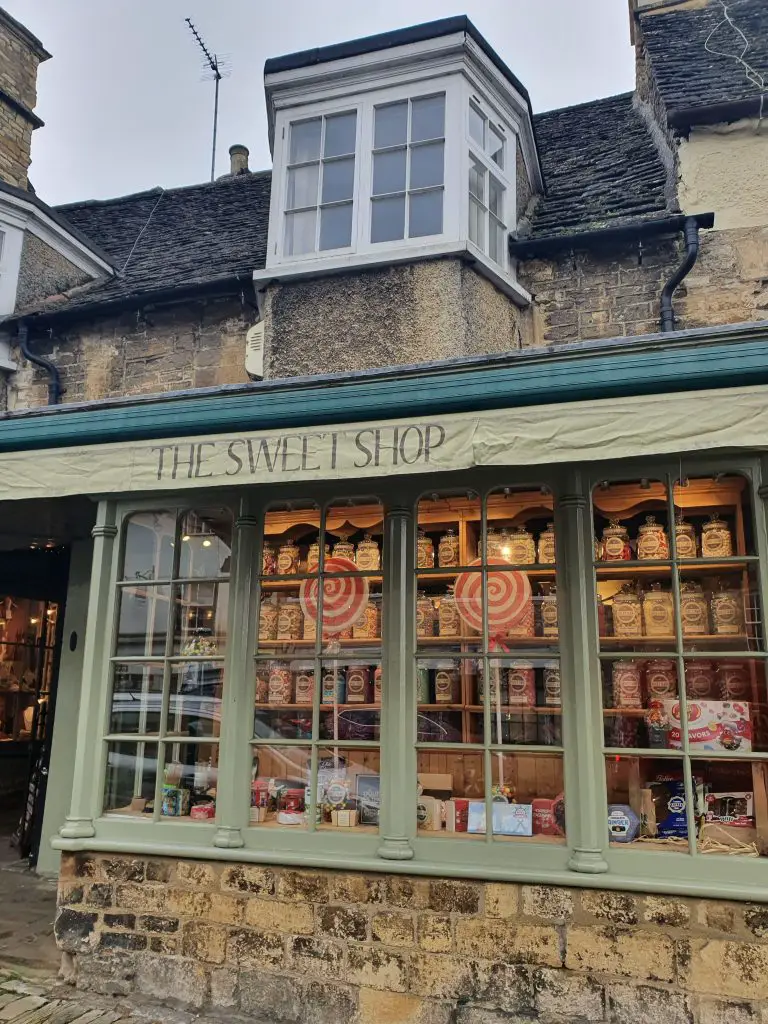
(167, 669)
(682, 661)
(488, 667)
(27, 646)
(319, 685)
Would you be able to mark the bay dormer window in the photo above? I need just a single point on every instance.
(395, 153)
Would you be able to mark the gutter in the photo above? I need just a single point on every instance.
(55, 388)
(547, 245)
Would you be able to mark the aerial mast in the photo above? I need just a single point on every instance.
(213, 67)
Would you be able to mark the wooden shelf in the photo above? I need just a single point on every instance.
(515, 641)
(276, 644)
(289, 582)
(323, 707)
(532, 570)
(700, 638)
(689, 568)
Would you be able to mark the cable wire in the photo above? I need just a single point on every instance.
(753, 75)
(138, 237)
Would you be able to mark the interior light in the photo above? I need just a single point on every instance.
(185, 537)
(34, 622)
(207, 543)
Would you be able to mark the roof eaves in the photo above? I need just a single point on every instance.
(23, 32)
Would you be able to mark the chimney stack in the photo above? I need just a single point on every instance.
(238, 158)
(20, 55)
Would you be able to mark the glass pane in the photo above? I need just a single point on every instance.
(716, 517)
(389, 171)
(137, 693)
(350, 696)
(427, 165)
(647, 804)
(525, 702)
(340, 134)
(450, 794)
(638, 697)
(149, 546)
(338, 180)
(496, 146)
(194, 709)
(201, 611)
(496, 241)
(427, 118)
(143, 621)
(476, 125)
(279, 790)
(495, 197)
(736, 807)
(190, 779)
(631, 522)
(391, 125)
(285, 692)
(305, 140)
(291, 541)
(302, 187)
(348, 789)
(444, 688)
(721, 610)
(206, 543)
(477, 223)
(336, 227)
(425, 214)
(130, 778)
(300, 232)
(528, 799)
(388, 219)
(476, 179)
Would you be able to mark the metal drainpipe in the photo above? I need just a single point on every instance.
(55, 389)
(691, 236)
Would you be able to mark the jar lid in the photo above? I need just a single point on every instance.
(715, 522)
(650, 525)
(615, 528)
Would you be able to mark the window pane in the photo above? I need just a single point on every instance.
(194, 709)
(528, 798)
(190, 777)
(338, 180)
(340, 134)
(427, 118)
(454, 780)
(280, 787)
(476, 125)
(302, 187)
(476, 223)
(149, 546)
(348, 789)
(130, 779)
(206, 543)
(496, 241)
(495, 197)
(735, 820)
(426, 166)
(137, 692)
(143, 621)
(425, 214)
(388, 219)
(305, 140)
(496, 146)
(336, 226)
(201, 611)
(389, 172)
(647, 802)
(300, 232)
(476, 179)
(391, 125)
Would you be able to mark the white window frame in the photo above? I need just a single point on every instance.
(10, 265)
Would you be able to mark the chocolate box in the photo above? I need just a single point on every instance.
(712, 725)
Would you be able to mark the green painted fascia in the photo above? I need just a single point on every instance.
(416, 392)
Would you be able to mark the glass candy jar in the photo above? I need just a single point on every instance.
(493, 544)
(290, 620)
(546, 550)
(699, 680)
(448, 550)
(304, 681)
(694, 609)
(661, 679)
(615, 546)
(727, 612)
(521, 684)
(549, 610)
(268, 559)
(658, 612)
(447, 682)
(368, 625)
(521, 545)
(733, 680)
(552, 692)
(627, 680)
(425, 616)
(425, 551)
(498, 688)
(368, 556)
(268, 616)
(685, 539)
(627, 612)
(280, 689)
(313, 556)
(716, 540)
(652, 540)
(344, 549)
(448, 616)
(288, 559)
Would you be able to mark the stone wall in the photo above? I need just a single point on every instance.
(15, 144)
(18, 78)
(44, 272)
(339, 948)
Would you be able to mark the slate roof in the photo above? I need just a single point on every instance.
(692, 80)
(182, 237)
(601, 167)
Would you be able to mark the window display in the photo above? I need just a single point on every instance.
(319, 684)
(487, 667)
(168, 665)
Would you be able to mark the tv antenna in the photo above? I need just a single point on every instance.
(214, 67)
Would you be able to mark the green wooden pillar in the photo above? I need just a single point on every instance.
(86, 800)
(233, 785)
(586, 814)
(398, 754)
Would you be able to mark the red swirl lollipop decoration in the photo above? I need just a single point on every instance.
(344, 597)
(509, 599)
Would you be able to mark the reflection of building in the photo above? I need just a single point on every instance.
(472, 574)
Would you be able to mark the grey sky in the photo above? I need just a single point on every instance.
(125, 107)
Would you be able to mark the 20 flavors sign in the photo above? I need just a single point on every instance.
(303, 455)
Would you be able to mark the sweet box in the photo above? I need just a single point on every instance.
(734, 809)
(549, 816)
(712, 725)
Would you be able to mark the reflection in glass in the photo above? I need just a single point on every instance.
(476, 126)
(195, 703)
(305, 140)
(201, 611)
(496, 146)
(338, 180)
(206, 544)
(647, 803)
(148, 546)
(734, 807)
(336, 227)
(302, 187)
(300, 231)
(143, 621)
(389, 172)
(388, 219)
(450, 793)
(390, 125)
(340, 134)
(427, 118)
(190, 779)
(528, 790)
(137, 693)
(280, 786)
(425, 214)
(427, 165)
(130, 778)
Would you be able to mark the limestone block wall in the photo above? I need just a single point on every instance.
(18, 79)
(344, 948)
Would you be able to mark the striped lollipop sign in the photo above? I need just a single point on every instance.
(344, 597)
(509, 598)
